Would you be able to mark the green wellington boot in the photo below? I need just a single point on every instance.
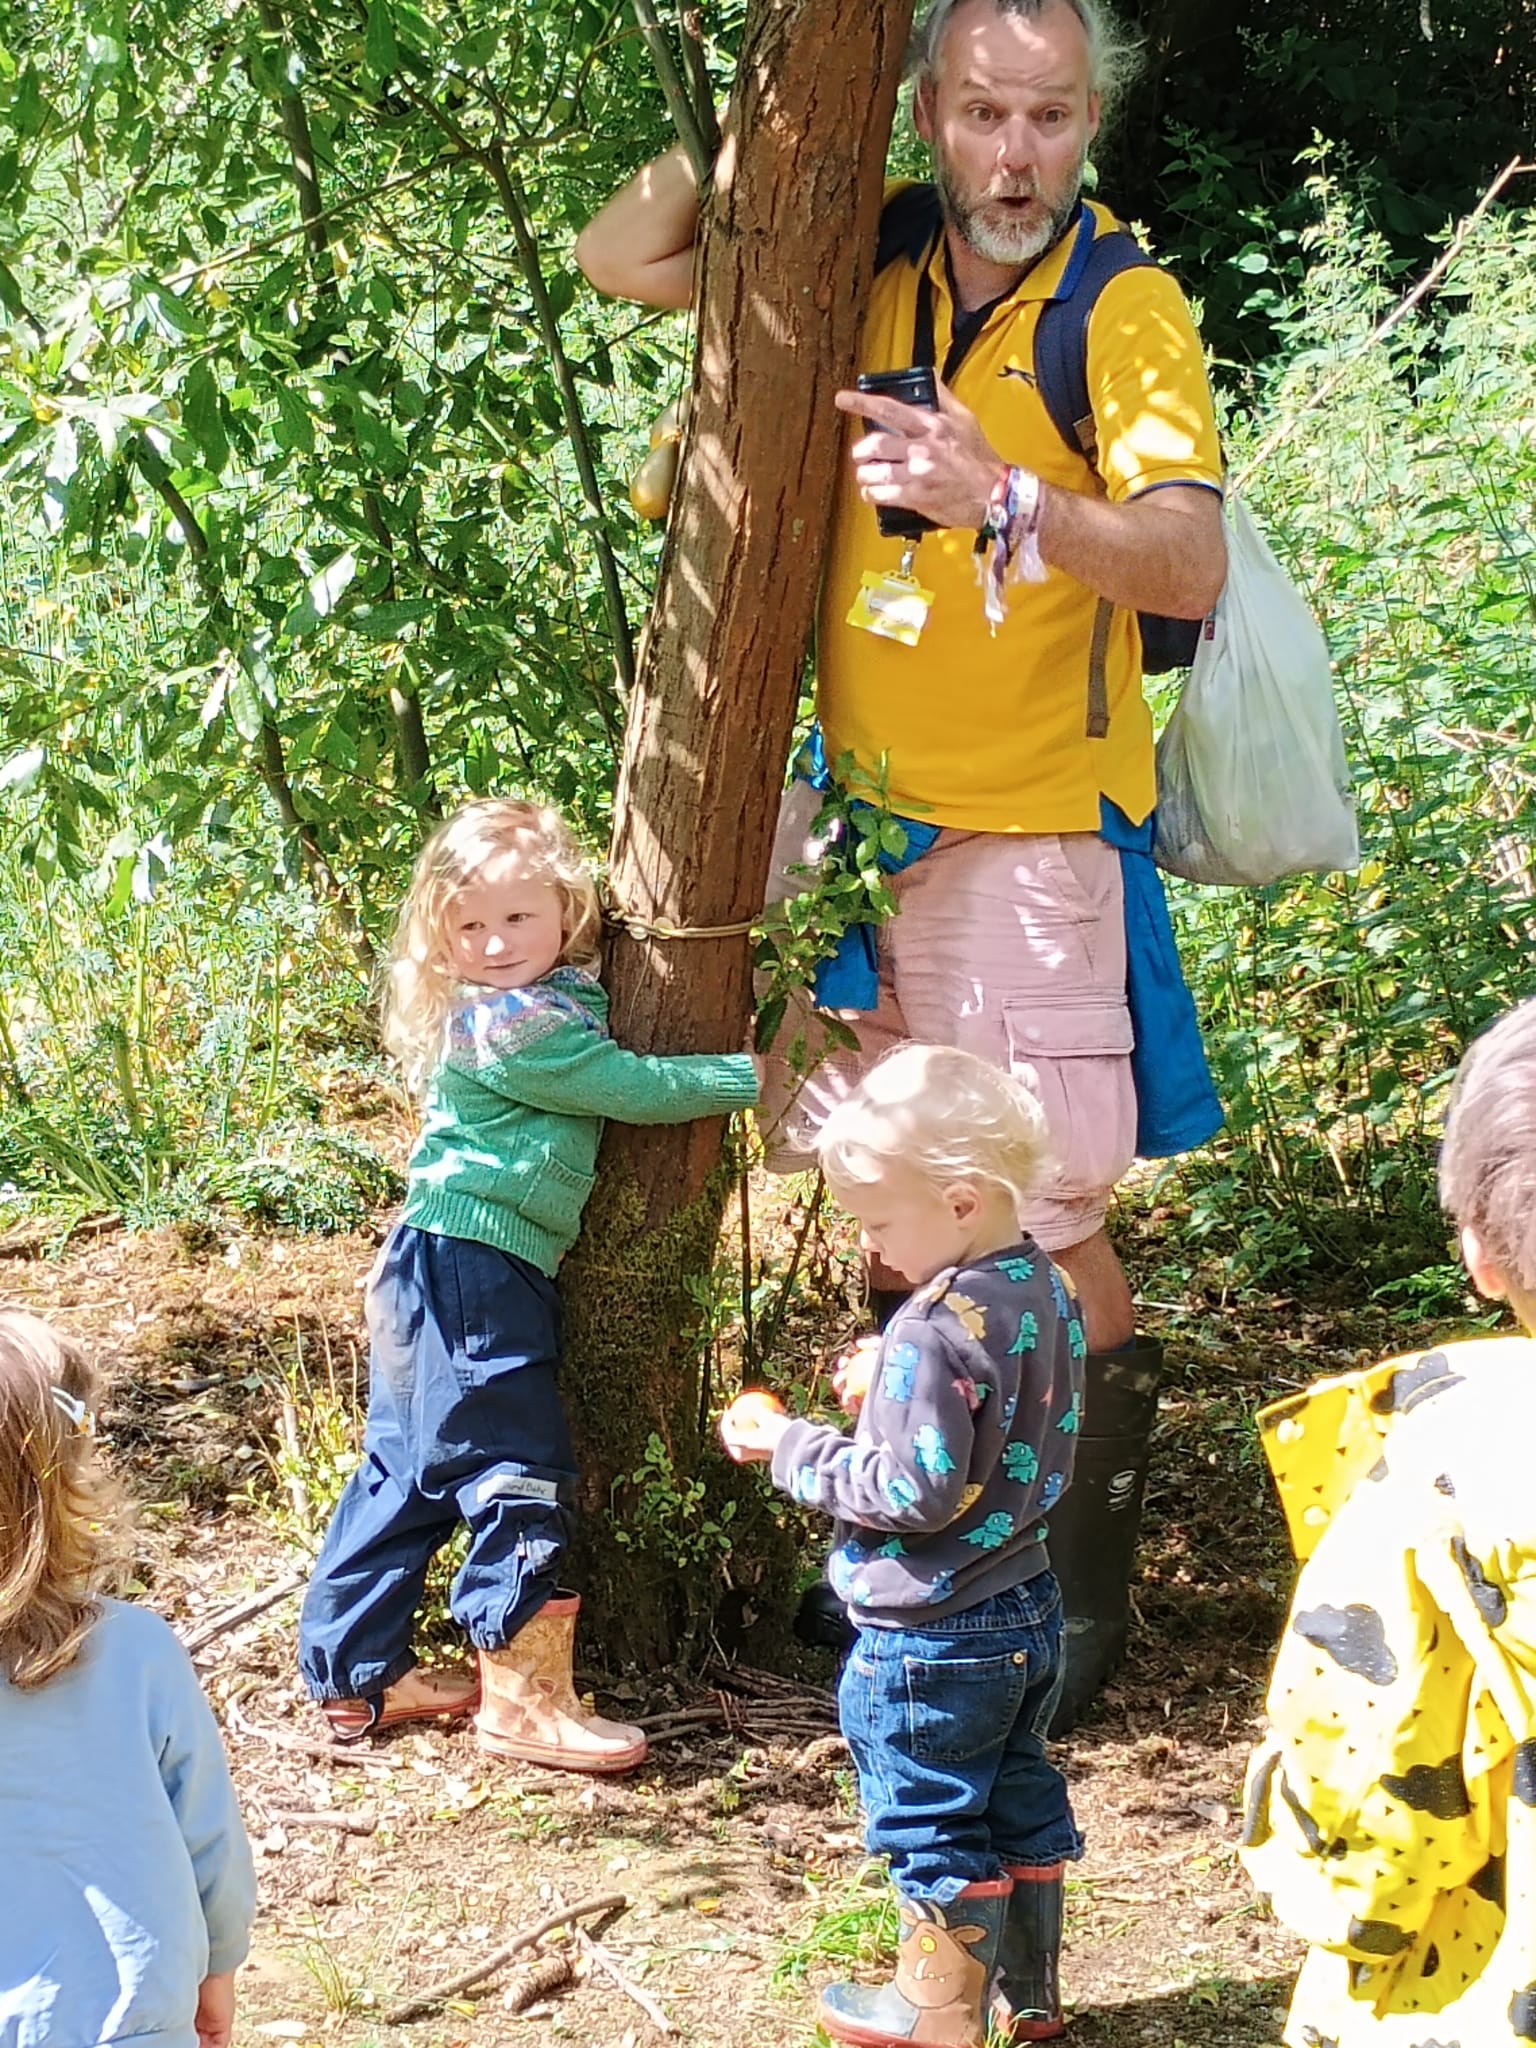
(1026, 2005)
(945, 1963)
(1094, 1527)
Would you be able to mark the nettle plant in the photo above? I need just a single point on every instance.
(1336, 1009)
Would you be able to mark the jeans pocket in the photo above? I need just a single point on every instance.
(960, 1707)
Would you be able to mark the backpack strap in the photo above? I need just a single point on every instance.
(1061, 377)
(1061, 333)
(909, 220)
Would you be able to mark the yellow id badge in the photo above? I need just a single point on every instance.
(892, 607)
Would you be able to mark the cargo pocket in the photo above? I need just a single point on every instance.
(555, 1196)
(1076, 1056)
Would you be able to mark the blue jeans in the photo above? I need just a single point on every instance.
(464, 1425)
(947, 1729)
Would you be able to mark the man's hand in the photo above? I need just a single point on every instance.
(853, 1372)
(215, 2021)
(937, 463)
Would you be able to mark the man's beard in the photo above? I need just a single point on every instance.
(1011, 243)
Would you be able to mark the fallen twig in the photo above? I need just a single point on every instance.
(768, 1685)
(434, 1994)
(247, 1610)
(604, 1960)
(537, 1980)
(360, 1822)
(792, 1721)
(355, 1755)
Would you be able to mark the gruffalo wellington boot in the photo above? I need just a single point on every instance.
(945, 1963)
(1026, 2005)
(529, 1709)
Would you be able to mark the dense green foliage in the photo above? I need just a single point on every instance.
(1420, 102)
(1336, 1009)
(313, 452)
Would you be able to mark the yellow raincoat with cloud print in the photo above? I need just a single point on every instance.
(1390, 1809)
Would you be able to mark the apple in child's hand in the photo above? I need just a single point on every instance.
(752, 1425)
(853, 1372)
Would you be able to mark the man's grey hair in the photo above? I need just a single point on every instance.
(1114, 57)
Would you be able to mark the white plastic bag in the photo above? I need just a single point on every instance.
(1252, 783)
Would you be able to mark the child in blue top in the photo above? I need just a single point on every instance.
(126, 1887)
(496, 1017)
(969, 1407)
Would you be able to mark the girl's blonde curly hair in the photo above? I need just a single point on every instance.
(61, 1524)
(418, 992)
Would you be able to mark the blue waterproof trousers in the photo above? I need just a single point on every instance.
(464, 1425)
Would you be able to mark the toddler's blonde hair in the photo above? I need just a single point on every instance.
(60, 1534)
(421, 979)
(943, 1114)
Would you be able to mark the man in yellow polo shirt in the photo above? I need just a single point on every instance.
(1006, 737)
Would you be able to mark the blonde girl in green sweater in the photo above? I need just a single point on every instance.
(495, 1014)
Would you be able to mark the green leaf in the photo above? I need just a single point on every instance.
(202, 415)
(10, 291)
(385, 621)
(561, 285)
(29, 110)
(321, 595)
(244, 705)
(294, 428)
(63, 457)
(380, 47)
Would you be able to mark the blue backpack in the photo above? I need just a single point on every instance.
(909, 225)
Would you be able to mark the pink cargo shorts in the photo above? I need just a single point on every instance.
(1011, 946)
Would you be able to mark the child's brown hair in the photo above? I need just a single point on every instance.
(1488, 1157)
(58, 1531)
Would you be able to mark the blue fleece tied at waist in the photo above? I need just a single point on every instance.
(1177, 1106)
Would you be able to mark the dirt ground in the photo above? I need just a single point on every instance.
(736, 1850)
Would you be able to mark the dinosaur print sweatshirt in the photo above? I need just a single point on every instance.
(965, 1440)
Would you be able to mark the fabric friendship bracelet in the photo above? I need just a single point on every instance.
(1008, 542)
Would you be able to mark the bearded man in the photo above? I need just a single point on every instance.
(1009, 937)
(1004, 724)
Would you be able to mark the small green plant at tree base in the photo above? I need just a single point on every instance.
(666, 1513)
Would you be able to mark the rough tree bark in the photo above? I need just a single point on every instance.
(786, 263)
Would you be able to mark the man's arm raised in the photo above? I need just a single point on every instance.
(641, 244)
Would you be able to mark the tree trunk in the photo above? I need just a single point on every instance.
(786, 264)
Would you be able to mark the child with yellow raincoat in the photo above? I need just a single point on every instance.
(1390, 1808)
